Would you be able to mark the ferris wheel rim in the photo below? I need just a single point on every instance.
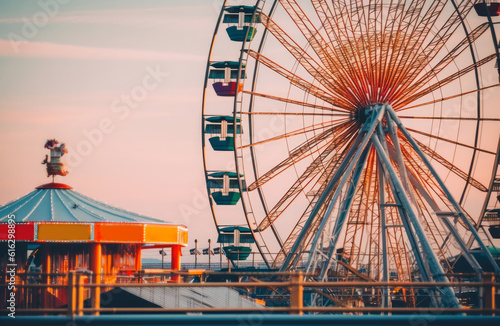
(203, 144)
(203, 115)
(247, 207)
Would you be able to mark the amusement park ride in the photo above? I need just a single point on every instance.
(356, 140)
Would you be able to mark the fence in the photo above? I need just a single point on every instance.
(77, 288)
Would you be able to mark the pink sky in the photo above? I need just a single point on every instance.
(77, 72)
(62, 82)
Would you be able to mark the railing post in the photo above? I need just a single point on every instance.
(95, 267)
(489, 293)
(79, 294)
(297, 293)
(71, 294)
(95, 294)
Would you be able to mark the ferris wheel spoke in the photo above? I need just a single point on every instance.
(328, 97)
(354, 183)
(450, 141)
(302, 151)
(450, 166)
(423, 181)
(449, 27)
(418, 59)
(389, 48)
(410, 98)
(318, 126)
(452, 55)
(366, 60)
(319, 164)
(447, 98)
(406, 47)
(311, 34)
(426, 185)
(299, 226)
(338, 35)
(431, 50)
(321, 46)
(315, 69)
(352, 49)
(290, 101)
(312, 171)
(420, 177)
(449, 118)
(396, 244)
(361, 216)
(436, 236)
(369, 25)
(343, 115)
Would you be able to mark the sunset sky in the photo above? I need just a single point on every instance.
(120, 82)
(77, 71)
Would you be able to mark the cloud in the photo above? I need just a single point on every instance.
(67, 51)
(145, 17)
(50, 116)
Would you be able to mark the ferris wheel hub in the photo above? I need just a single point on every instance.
(362, 114)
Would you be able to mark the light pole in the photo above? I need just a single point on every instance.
(209, 254)
(195, 253)
(163, 254)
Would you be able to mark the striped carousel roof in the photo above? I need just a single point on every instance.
(57, 202)
(55, 212)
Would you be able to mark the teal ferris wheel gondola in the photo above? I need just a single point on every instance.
(221, 129)
(236, 241)
(240, 19)
(224, 187)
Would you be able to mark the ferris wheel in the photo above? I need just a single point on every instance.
(354, 139)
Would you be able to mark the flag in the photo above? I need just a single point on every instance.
(206, 251)
(217, 251)
(163, 253)
(194, 251)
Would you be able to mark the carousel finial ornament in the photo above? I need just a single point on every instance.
(55, 166)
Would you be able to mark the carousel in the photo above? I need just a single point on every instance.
(57, 230)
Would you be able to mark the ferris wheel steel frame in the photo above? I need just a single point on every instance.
(203, 143)
(261, 245)
(382, 142)
(264, 252)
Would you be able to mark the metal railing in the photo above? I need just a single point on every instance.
(78, 286)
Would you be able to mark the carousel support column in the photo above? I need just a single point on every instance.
(46, 263)
(138, 261)
(46, 270)
(95, 266)
(21, 257)
(176, 262)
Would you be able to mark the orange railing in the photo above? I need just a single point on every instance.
(79, 286)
